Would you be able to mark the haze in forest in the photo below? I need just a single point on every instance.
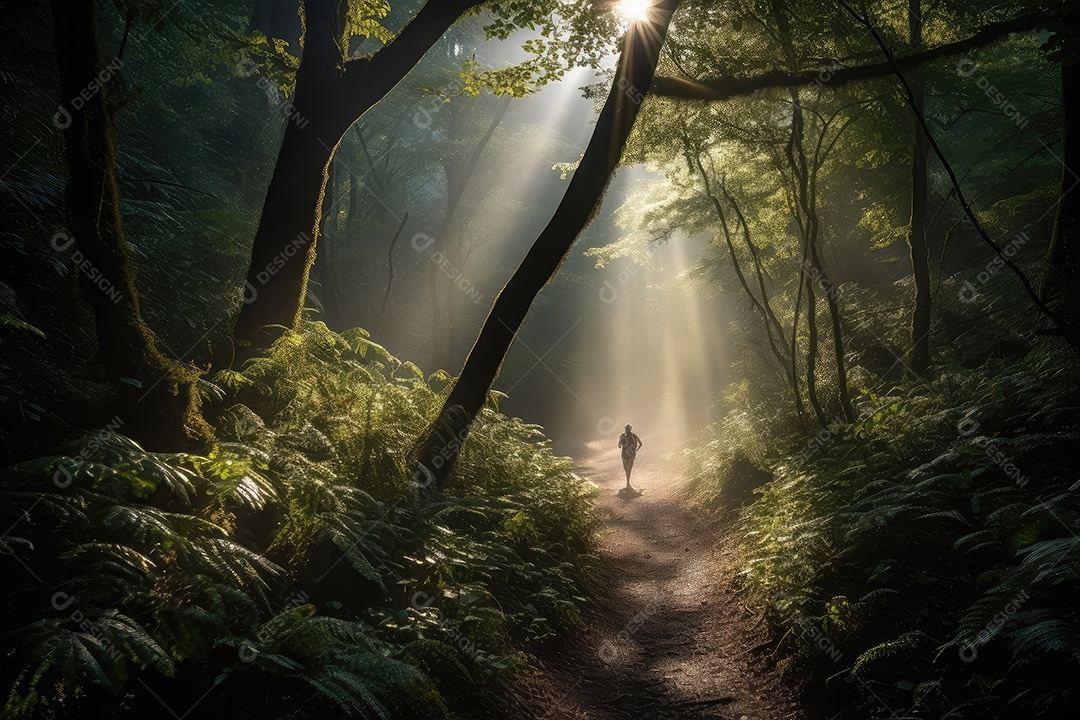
(321, 322)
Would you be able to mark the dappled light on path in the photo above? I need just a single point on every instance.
(667, 637)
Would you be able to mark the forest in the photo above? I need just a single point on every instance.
(539, 359)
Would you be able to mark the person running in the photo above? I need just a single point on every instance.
(629, 442)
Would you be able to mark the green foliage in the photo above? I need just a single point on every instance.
(365, 20)
(923, 552)
(570, 35)
(297, 556)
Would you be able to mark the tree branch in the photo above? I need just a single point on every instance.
(725, 88)
(376, 74)
(1061, 326)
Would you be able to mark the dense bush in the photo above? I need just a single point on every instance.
(916, 563)
(296, 564)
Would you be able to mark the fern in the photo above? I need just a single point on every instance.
(307, 490)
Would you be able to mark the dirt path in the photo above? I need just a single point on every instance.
(669, 638)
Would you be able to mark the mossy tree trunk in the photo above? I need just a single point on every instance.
(159, 406)
(332, 92)
(637, 66)
(324, 273)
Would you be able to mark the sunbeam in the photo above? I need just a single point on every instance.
(634, 10)
(655, 351)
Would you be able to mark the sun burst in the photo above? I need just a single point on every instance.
(634, 10)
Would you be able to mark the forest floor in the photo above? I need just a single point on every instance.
(668, 636)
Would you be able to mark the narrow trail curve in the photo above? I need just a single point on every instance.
(669, 637)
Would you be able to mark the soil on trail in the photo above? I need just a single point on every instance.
(668, 636)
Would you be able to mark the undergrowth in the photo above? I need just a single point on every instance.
(295, 568)
(921, 562)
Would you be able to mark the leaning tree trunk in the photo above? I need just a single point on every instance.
(637, 65)
(1059, 281)
(331, 94)
(160, 405)
(919, 351)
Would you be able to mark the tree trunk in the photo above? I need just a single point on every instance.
(758, 269)
(1063, 267)
(323, 268)
(761, 305)
(637, 65)
(813, 223)
(790, 373)
(795, 345)
(389, 278)
(833, 303)
(919, 351)
(455, 187)
(807, 195)
(457, 179)
(331, 94)
(161, 407)
(812, 348)
(285, 241)
(808, 269)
